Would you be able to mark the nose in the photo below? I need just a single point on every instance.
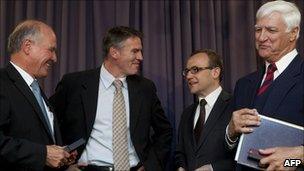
(139, 56)
(189, 76)
(262, 36)
(54, 57)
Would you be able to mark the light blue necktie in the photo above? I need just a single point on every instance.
(37, 93)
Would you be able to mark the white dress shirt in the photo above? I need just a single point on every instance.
(210, 99)
(281, 64)
(29, 80)
(98, 150)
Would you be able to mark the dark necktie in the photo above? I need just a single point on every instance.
(200, 122)
(268, 79)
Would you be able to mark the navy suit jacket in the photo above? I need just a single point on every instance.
(286, 99)
(210, 149)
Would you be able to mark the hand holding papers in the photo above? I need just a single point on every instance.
(271, 133)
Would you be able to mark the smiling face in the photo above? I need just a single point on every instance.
(204, 81)
(271, 39)
(128, 57)
(42, 53)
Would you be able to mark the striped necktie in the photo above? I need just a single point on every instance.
(268, 79)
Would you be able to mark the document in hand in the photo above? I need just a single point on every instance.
(271, 133)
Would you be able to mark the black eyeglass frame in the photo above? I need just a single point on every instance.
(195, 70)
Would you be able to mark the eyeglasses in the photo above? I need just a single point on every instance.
(195, 70)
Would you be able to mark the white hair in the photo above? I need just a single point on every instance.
(289, 11)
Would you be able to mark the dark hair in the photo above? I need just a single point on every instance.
(214, 59)
(24, 30)
(117, 35)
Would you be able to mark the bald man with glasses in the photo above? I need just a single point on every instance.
(200, 143)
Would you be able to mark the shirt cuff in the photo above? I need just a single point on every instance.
(231, 143)
(210, 167)
(207, 167)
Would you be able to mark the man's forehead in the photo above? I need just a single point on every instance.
(134, 41)
(199, 56)
(197, 59)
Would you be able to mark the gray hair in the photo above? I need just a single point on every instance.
(117, 35)
(289, 11)
(29, 29)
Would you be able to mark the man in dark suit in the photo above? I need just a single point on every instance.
(275, 90)
(86, 104)
(201, 142)
(28, 129)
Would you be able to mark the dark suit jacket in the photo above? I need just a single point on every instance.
(286, 99)
(75, 101)
(24, 133)
(211, 147)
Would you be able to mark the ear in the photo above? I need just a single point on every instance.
(293, 34)
(26, 46)
(216, 72)
(114, 52)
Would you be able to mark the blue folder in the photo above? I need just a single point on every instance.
(271, 133)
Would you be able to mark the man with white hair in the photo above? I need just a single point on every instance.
(275, 90)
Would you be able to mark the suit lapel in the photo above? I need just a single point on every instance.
(217, 110)
(28, 95)
(255, 83)
(134, 102)
(89, 96)
(190, 126)
(283, 84)
(57, 134)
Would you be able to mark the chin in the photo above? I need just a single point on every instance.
(130, 73)
(264, 57)
(263, 54)
(193, 91)
(135, 72)
(43, 74)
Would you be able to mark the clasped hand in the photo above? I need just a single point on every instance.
(58, 157)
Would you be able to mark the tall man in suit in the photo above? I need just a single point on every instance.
(275, 90)
(201, 142)
(28, 128)
(86, 103)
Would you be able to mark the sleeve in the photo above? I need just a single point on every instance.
(227, 163)
(231, 144)
(17, 151)
(58, 100)
(162, 137)
(180, 150)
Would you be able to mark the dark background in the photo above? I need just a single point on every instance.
(172, 30)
